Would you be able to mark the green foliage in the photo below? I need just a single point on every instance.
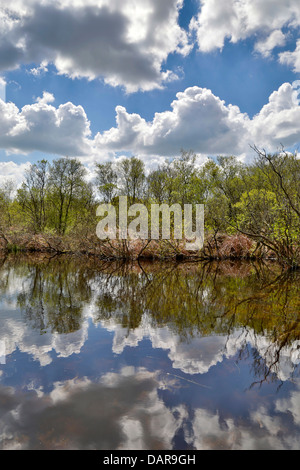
(32, 195)
(106, 181)
(260, 201)
(257, 210)
(6, 201)
(131, 172)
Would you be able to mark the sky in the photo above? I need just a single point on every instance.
(100, 79)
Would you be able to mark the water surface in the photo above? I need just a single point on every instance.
(148, 356)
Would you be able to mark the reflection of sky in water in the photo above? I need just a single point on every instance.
(107, 387)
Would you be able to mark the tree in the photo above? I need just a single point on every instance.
(271, 214)
(6, 201)
(106, 181)
(66, 184)
(132, 178)
(183, 175)
(32, 195)
(160, 184)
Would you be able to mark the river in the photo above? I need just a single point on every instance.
(151, 356)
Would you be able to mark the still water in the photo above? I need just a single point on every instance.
(148, 356)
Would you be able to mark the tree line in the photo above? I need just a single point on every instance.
(260, 200)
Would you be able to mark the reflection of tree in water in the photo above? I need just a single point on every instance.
(55, 295)
(257, 300)
(193, 300)
(122, 296)
(273, 312)
(203, 298)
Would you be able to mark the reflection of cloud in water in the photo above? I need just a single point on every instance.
(261, 432)
(195, 356)
(16, 334)
(199, 354)
(291, 404)
(124, 411)
(14, 284)
(120, 412)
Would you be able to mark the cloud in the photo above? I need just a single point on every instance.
(127, 42)
(11, 171)
(42, 127)
(2, 89)
(38, 71)
(292, 58)
(266, 46)
(124, 42)
(201, 121)
(278, 122)
(46, 98)
(198, 121)
(236, 20)
(17, 335)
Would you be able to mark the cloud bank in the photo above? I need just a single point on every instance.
(125, 42)
(198, 120)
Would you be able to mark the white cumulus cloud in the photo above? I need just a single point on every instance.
(198, 120)
(42, 127)
(203, 122)
(278, 122)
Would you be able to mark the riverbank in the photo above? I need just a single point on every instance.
(216, 247)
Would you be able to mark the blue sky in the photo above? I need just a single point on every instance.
(100, 79)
